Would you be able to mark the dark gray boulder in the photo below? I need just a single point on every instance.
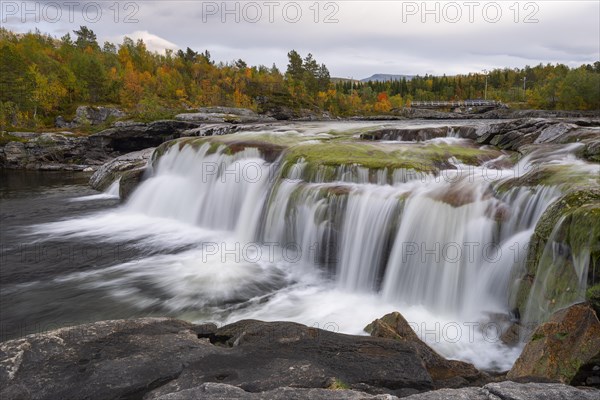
(131, 358)
(262, 356)
(163, 358)
(50, 151)
(90, 115)
(511, 391)
(406, 134)
(128, 137)
(211, 391)
(104, 360)
(133, 163)
(223, 114)
(444, 373)
(518, 134)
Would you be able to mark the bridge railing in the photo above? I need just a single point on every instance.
(460, 103)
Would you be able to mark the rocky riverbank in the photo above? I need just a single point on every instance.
(161, 358)
(169, 359)
(69, 151)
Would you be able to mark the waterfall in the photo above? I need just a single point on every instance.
(112, 192)
(560, 267)
(370, 218)
(210, 190)
(228, 235)
(438, 252)
(442, 242)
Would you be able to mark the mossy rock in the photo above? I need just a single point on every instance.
(567, 177)
(425, 158)
(6, 138)
(129, 181)
(592, 295)
(559, 348)
(564, 245)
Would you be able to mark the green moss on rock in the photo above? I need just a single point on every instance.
(564, 246)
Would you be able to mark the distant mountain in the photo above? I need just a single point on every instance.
(387, 77)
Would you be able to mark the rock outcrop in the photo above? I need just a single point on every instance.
(50, 151)
(517, 134)
(129, 168)
(126, 137)
(565, 349)
(88, 115)
(272, 355)
(511, 391)
(103, 360)
(445, 373)
(223, 114)
(494, 391)
(563, 257)
(162, 358)
(417, 134)
(131, 358)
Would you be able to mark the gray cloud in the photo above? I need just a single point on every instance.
(369, 37)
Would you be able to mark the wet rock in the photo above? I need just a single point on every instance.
(443, 372)
(554, 132)
(103, 360)
(560, 347)
(269, 151)
(512, 335)
(14, 154)
(264, 356)
(166, 358)
(517, 134)
(466, 132)
(567, 230)
(212, 130)
(130, 180)
(126, 138)
(211, 391)
(162, 358)
(282, 113)
(591, 151)
(223, 114)
(511, 391)
(133, 164)
(49, 151)
(495, 391)
(413, 135)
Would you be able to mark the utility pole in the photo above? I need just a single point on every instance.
(524, 88)
(486, 77)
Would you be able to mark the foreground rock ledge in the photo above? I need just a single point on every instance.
(161, 358)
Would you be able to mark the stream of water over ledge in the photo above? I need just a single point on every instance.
(307, 222)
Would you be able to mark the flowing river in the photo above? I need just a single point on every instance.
(216, 235)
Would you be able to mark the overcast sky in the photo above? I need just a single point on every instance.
(353, 38)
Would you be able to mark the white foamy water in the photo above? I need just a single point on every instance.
(112, 192)
(243, 242)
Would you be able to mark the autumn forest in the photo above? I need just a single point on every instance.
(43, 77)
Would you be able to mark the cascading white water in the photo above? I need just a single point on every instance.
(438, 252)
(112, 192)
(329, 245)
(211, 190)
(370, 218)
